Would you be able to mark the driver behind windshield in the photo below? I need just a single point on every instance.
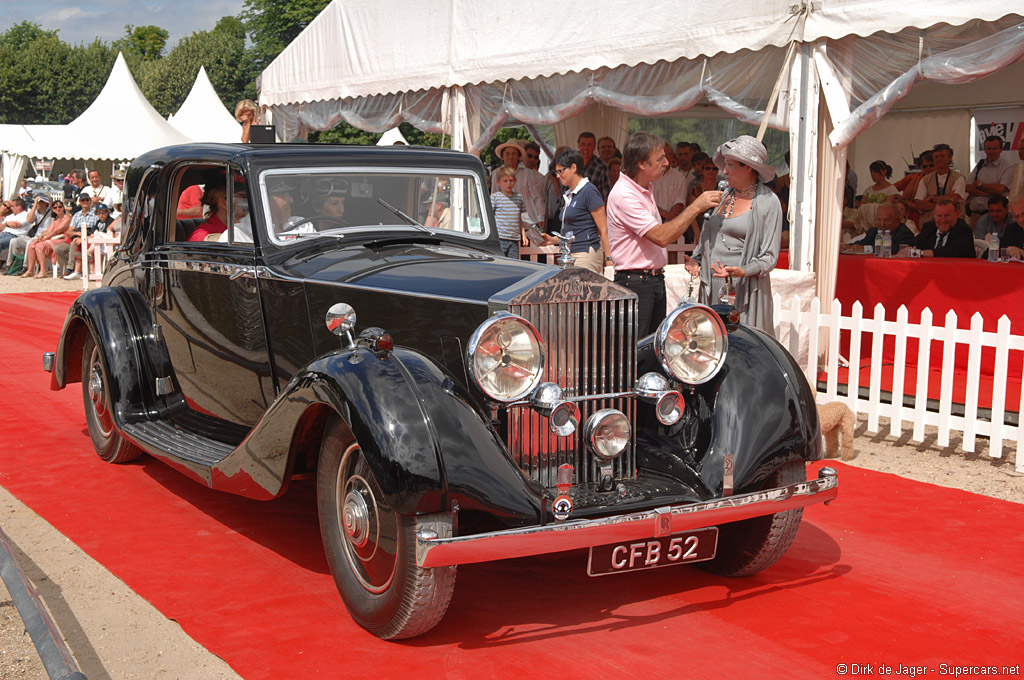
(283, 222)
(327, 195)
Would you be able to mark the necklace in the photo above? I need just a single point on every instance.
(729, 204)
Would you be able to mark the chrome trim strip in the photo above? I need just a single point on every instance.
(496, 545)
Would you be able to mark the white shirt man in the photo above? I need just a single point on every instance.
(684, 161)
(991, 177)
(669, 191)
(96, 190)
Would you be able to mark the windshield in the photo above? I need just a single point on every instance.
(330, 202)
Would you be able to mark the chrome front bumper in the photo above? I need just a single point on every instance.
(433, 550)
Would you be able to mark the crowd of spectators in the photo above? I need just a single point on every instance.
(40, 227)
(939, 211)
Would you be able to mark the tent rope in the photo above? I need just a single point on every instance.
(775, 91)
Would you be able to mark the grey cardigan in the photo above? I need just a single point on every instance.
(758, 259)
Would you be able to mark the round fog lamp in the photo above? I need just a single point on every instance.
(670, 408)
(608, 433)
(564, 418)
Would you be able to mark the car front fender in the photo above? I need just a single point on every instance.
(758, 408)
(425, 442)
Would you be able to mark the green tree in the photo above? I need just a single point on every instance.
(272, 24)
(147, 42)
(166, 82)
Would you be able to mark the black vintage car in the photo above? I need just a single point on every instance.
(477, 408)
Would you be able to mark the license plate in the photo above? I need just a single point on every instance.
(694, 546)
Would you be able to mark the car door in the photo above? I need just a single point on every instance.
(207, 303)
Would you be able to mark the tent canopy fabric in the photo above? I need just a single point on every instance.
(119, 124)
(203, 116)
(311, 87)
(352, 49)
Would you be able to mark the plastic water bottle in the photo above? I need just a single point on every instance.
(878, 244)
(886, 243)
(993, 248)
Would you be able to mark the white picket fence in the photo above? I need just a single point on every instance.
(799, 330)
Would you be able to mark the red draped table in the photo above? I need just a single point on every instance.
(964, 286)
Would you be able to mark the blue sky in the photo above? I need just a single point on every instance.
(82, 21)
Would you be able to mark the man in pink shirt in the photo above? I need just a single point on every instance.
(637, 237)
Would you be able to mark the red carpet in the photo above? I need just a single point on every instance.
(894, 572)
(934, 383)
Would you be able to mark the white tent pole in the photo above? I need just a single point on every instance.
(803, 96)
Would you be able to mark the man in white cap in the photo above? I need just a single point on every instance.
(529, 183)
(637, 237)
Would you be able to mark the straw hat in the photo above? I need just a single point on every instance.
(512, 143)
(750, 152)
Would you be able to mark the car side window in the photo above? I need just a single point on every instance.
(140, 234)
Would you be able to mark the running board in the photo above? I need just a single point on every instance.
(184, 445)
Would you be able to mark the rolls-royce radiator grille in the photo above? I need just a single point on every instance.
(590, 350)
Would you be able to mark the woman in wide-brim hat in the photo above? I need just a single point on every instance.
(740, 241)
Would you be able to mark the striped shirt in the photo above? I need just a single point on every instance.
(507, 212)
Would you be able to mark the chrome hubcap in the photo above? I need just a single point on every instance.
(355, 517)
(96, 387)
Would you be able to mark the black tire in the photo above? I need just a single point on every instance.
(752, 545)
(373, 560)
(108, 442)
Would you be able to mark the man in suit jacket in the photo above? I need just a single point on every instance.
(1013, 237)
(946, 235)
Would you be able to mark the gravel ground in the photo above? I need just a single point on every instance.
(114, 633)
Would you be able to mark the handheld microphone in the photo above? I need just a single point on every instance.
(722, 186)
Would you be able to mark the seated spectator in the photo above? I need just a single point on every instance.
(903, 215)
(83, 221)
(41, 248)
(886, 218)
(15, 223)
(38, 217)
(882, 191)
(1013, 237)
(908, 185)
(995, 219)
(215, 198)
(947, 235)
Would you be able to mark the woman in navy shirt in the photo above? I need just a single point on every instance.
(583, 214)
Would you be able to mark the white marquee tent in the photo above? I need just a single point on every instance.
(120, 124)
(464, 68)
(14, 164)
(203, 117)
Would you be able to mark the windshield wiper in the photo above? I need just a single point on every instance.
(405, 217)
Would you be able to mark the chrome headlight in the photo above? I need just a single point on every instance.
(505, 357)
(691, 343)
(608, 433)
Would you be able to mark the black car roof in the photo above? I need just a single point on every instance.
(269, 155)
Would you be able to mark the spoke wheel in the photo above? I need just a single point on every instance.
(371, 549)
(108, 442)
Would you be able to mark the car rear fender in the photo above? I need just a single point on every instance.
(109, 317)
